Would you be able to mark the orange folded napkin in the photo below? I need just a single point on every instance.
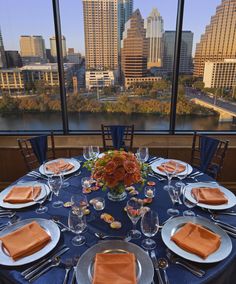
(171, 166)
(209, 195)
(60, 165)
(25, 240)
(115, 269)
(22, 194)
(196, 239)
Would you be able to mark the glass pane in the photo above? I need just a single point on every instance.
(207, 83)
(29, 84)
(123, 55)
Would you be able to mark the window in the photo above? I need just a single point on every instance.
(29, 83)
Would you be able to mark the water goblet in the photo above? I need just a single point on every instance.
(87, 153)
(55, 184)
(134, 211)
(173, 196)
(79, 202)
(188, 203)
(149, 227)
(181, 177)
(169, 174)
(143, 154)
(77, 224)
(40, 200)
(95, 151)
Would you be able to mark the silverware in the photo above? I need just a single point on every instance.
(222, 213)
(75, 175)
(189, 266)
(163, 264)
(154, 160)
(7, 215)
(13, 220)
(157, 177)
(151, 159)
(57, 221)
(155, 264)
(68, 266)
(36, 175)
(75, 260)
(226, 225)
(31, 269)
(55, 262)
(102, 236)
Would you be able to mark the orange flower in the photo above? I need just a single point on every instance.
(128, 179)
(118, 160)
(119, 173)
(110, 167)
(130, 166)
(111, 181)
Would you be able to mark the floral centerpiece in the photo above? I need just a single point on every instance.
(117, 170)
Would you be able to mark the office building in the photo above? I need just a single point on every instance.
(3, 61)
(124, 13)
(73, 57)
(13, 59)
(101, 34)
(154, 32)
(131, 81)
(220, 74)
(219, 40)
(99, 79)
(32, 47)
(186, 65)
(11, 79)
(134, 47)
(53, 47)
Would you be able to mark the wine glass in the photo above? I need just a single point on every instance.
(149, 227)
(55, 184)
(181, 177)
(79, 203)
(77, 224)
(143, 154)
(95, 151)
(87, 152)
(40, 200)
(174, 198)
(189, 203)
(169, 174)
(134, 211)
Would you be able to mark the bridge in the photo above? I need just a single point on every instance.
(225, 113)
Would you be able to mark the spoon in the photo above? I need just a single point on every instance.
(12, 221)
(75, 260)
(56, 220)
(68, 266)
(7, 214)
(163, 264)
(103, 236)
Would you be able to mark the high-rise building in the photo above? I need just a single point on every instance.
(3, 61)
(154, 33)
(125, 11)
(32, 46)
(186, 65)
(134, 47)
(53, 46)
(101, 34)
(13, 59)
(73, 57)
(219, 40)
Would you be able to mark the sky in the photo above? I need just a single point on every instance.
(35, 17)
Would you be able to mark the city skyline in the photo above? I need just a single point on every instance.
(72, 24)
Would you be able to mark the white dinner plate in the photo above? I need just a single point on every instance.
(72, 161)
(49, 226)
(22, 205)
(85, 265)
(161, 161)
(172, 226)
(228, 194)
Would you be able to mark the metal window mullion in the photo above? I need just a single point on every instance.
(58, 36)
(175, 76)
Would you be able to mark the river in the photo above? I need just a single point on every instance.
(93, 121)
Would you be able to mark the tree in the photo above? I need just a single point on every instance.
(199, 85)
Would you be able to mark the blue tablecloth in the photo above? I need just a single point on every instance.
(222, 272)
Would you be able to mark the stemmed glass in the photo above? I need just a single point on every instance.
(149, 227)
(79, 202)
(169, 174)
(181, 177)
(189, 203)
(143, 154)
(87, 153)
(94, 152)
(40, 200)
(134, 211)
(77, 224)
(55, 184)
(174, 194)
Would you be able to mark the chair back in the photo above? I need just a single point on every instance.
(208, 154)
(117, 136)
(30, 157)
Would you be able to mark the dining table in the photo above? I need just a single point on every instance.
(220, 272)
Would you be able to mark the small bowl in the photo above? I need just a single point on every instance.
(99, 204)
(149, 191)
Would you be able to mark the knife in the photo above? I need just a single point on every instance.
(30, 269)
(155, 264)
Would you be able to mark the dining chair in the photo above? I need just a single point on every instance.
(208, 154)
(35, 150)
(117, 137)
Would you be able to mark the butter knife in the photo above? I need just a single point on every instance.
(155, 264)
